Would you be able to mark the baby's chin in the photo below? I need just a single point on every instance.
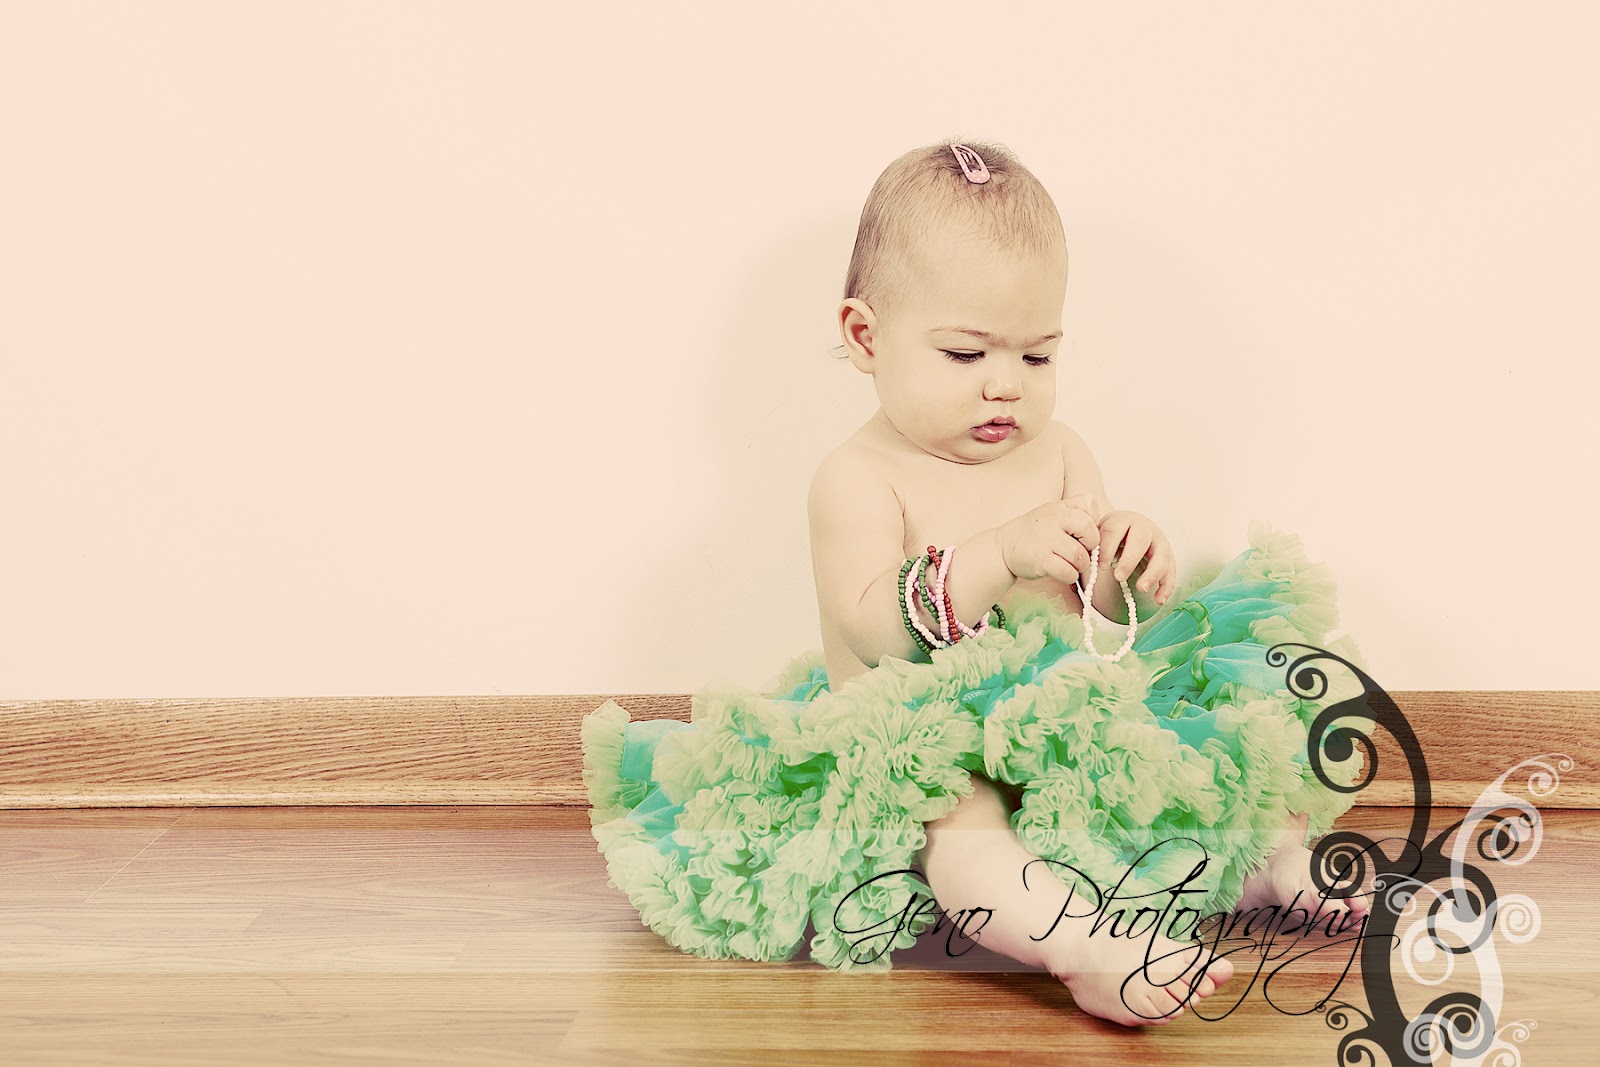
(970, 449)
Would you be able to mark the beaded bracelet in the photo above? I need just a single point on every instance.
(983, 624)
(936, 600)
(942, 596)
(912, 583)
(908, 612)
(925, 590)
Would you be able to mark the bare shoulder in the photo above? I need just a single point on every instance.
(1070, 443)
(1081, 471)
(847, 477)
(1066, 436)
(857, 521)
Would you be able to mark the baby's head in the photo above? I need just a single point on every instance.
(953, 300)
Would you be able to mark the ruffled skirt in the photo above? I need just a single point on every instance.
(771, 810)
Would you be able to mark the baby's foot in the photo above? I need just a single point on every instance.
(1095, 968)
(1288, 873)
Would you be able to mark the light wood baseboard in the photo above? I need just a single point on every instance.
(373, 751)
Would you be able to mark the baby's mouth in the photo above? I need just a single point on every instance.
(995, 430)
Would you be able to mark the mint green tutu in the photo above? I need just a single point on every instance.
(771, 811)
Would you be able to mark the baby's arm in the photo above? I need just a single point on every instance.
(1088, 490)
(857, 548)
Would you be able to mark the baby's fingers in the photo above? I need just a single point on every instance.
(1111, 534)
(1062, 569)
(1159, 567)
(1087, 503)
(1077, 524)
(1132, 554)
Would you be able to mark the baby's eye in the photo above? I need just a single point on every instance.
(968, 357)
(962, 357)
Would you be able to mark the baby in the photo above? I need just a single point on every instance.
(953, 306)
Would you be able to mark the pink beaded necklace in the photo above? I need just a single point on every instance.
(1088, 624)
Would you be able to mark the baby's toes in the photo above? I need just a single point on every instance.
(1180, 995)
(1153, 1006)
(1346, 907)
(1220, 970)
(1164, 1007)
(1148, 1007)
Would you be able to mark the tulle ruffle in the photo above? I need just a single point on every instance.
(771, 810)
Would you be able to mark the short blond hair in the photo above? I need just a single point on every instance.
(924, 193)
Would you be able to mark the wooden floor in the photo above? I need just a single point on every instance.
(476, 935)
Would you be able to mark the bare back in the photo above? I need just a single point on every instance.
(943, 503)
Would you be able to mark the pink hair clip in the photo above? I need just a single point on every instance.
(971, 165)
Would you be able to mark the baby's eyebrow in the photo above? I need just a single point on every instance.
(984, 335)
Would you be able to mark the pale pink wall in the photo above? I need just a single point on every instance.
(392, 348)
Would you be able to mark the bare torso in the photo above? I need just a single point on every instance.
(945, 503)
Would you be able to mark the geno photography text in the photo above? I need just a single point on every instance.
(1280, 933)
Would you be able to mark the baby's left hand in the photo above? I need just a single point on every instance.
(1143, 545)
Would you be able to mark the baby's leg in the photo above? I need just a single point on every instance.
(972, 859)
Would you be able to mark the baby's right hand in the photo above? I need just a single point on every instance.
(1053, 540)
